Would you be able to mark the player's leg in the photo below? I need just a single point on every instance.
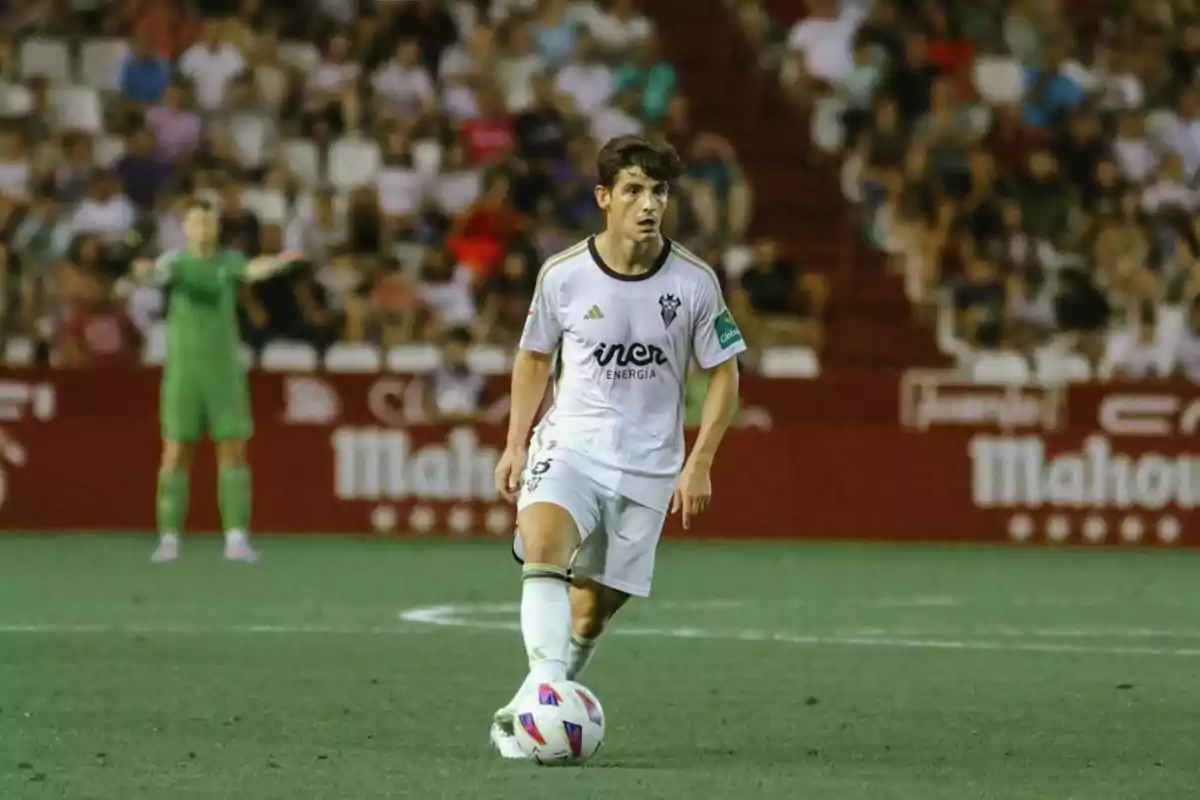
(558, 507)
(180, 416)
(230, 426)
(171, 504)
(593, 606)
(234, 498)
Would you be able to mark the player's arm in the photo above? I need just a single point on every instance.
(530, 374)
(263, 268)
(716, 343)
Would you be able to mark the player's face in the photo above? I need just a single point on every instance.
(200, 227)
(635, 205)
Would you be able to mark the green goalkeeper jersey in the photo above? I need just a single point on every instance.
(202, 319)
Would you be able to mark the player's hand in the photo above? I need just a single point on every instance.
(508, 472)
(693, 492)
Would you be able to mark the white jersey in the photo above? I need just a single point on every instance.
(624, 344)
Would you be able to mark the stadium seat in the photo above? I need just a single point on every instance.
(78, 107)
(998, 80)
(100, 62)
(269, 205)
(427, 156)
(303, 56)
(45, 58)
(345, 357)
(1000, 367)
(18, 352)
(15, 100)
(489, 360)
(413, 358)
(289, 356)
(302, 160)
(789, 362)
(1053, 367)
(106, 150)
(353, 162)
(155, 347)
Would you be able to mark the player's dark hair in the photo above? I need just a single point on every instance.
(658, 160)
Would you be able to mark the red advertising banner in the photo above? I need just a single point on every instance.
(917, 457)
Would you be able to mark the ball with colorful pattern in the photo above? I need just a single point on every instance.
(560, 724)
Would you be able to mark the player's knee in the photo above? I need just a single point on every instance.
(175, 455)
(231, 453)
(548, 534)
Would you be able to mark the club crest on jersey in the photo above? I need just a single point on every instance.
(668, 307)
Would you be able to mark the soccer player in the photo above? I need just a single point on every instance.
(204, 386)
(624, 312)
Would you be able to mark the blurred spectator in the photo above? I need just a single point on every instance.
(453, 392)
(1185, 359)
(647, 74)
(176, 128)
(979, 297)
(911, 81)
(96, 331)
(1049, 90)
(402, 85)
(618, 27)
(401, 188)
(779, 302)
(1181, 130)
(343, 289)
(211, 65)
(432, 24)
(488, 134)
(1136, 352)
(317, 230)
(241, 228)
(444, 289)
(145, 73)
(541, 129)
(15, 172)
(555, 33)
(331, 94)
(516, 68)
(393, 306)
(1133, 150)
(587, 80)
(507, 296)
(144, 175)
(481, 235)
(823, 42)
(104, 210)
(457, 186)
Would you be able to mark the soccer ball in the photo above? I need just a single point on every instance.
(560, 724)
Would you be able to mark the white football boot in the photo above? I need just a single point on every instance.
(237, 548)
(167, 550)
(502, 735)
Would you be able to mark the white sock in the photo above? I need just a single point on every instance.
(235, 536)
(170, 537)
(579, 655)
(546, 621)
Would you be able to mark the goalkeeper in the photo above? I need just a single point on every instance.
(204, 387)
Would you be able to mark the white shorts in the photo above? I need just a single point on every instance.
(618, 537)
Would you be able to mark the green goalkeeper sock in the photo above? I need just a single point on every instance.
(233, 495)
(172, 500)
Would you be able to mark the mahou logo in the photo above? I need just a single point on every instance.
(382, 464)
(1016, 472)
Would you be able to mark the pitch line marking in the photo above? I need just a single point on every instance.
(457, 616)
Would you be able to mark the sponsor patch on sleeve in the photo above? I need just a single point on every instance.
(727, 330)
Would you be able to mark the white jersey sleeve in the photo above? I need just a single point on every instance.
(543, 326)
(716, 338)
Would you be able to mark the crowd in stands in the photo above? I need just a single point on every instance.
(1030, 168)
(424, 155)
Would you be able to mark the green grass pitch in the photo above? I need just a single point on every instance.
(351, 669)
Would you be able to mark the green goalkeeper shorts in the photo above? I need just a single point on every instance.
(196, 402)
